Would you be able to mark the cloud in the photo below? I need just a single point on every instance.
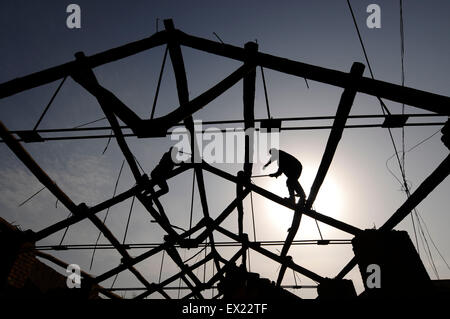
(83, 178)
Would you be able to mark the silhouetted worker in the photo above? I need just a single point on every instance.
(292, 168)
(162, 170)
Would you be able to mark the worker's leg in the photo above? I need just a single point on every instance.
(291, 188)
(299, 190)
(163, 188)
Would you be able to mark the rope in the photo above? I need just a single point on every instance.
(215, 34)
(50, 103)
(265, 92)
(192, 202)
(128, 220)
(65, 231)
(161, 268)
(318, 228)
(125, 235)
(159, 83)
(295, 279)
(106, 215)
(31, 197)
(97, 120)
(139, 164)
(204, 265)
(253, 216)
(195, 255)
(107, 143)
(212, 289)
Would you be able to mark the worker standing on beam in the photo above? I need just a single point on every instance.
(292, 168)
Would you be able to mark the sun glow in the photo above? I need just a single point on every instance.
(328, 202)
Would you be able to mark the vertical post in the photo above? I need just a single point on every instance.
(249, 79)
(183, 97)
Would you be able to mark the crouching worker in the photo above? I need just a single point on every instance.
(161, 172)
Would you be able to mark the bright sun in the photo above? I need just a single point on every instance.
(328, 202)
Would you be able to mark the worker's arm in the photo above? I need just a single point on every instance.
(268, 163)
(276, 174)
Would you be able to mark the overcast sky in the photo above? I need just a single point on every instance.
(359, 188)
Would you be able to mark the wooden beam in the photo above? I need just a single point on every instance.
(176, 276)
(342, 113)
(99, 207)
(148, 254)
(425, 100)
(288, 242)
(427, 186)
(58, 72)
(286, 203)
(186, 109)
(29, 162)
(226, 212)
(250, 48)
(176, 57)
(77, 218)
(428, 101)
(177, 259)
(87, 276)
(220, 272)
(273, 256)
(424, 189)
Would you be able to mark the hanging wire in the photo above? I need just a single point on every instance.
(106, 216)
(402, 57)
(49, 103)
(161, 72)
(31, 197)
(432, 241)
(383, 106)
